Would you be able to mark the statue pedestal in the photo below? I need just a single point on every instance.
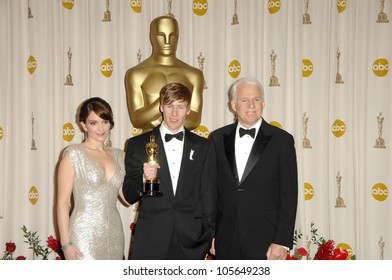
(68, 81)
(339, 79)
(306, 143)
(382, 18)
(380, 143)
(340, 203)
(306, 19)
(274, 81)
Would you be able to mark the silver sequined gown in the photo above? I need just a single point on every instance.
(95, 223)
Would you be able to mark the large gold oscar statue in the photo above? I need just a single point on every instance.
(144, 81)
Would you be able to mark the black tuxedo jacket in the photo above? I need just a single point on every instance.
(261, 208)
(190, 213)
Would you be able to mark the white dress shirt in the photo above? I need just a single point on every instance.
(243, 147)
(173, 150)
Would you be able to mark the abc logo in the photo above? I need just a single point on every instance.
(234, 68)
(136, 131)
(380, 192)
(200, 7)
(274, 6)
(68, 132)
(1, 133)
(33, 195)
(68, 4)
(275, 123)
(341, 5)
(31, 64)
(338, 128)
(380, 67)
(136, 6)
(107, 67)
(202, 131)
(308, 191)
(346, 247)
(307, 67)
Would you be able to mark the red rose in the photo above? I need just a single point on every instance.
(289, 257)
(302, 252)
(339, 254)
(53, 244)
(10, 247)
(58, 258)
(21, 258)
(132, 227)
(325, 251)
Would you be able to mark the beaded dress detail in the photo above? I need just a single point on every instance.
(95, 223)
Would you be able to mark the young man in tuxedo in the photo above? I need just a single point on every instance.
(179, 224)
(258, 186)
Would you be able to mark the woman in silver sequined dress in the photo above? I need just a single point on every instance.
(93, 174)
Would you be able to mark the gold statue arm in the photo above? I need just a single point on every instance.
(142, 115)
(193, 120)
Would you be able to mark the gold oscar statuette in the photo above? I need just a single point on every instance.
(144, 81)
(33, 145)
(234, 19)
(382, 16)
(305, 142)
(339, 199)
(139, 56)
(274, 81)
(306, 16)
(381, 245)
(68, 78)
(380, 142)
(169, 9)
(29, 13)
(339, 79)
(201, 59)
(107, 14)
(151, 185)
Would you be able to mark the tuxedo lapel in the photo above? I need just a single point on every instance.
(258, 147)
(229, 143)
(163, 172)
(189, 154)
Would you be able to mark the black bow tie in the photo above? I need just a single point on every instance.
(251, 132)
(178, 136)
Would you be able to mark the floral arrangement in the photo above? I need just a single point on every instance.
(325, 248)
(39, 251)
(10, 248)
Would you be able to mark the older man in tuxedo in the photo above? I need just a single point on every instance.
(257, 181)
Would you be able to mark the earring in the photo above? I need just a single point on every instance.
(108, 141)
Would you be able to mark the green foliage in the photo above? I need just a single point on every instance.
(34, 244)
(316, 240)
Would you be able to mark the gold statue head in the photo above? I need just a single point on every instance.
(164, 33)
